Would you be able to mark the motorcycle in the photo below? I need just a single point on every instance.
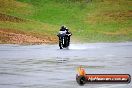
(64, 40)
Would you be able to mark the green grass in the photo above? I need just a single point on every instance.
(96, 21)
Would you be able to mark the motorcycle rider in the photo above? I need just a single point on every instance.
(64, 32)
(68, 35)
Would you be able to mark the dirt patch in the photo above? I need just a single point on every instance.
(119, 15)
(124, 32)
(19, 38)
(4, 17)
(106, 17)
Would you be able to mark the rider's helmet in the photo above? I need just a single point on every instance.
(66, 29)
(63, 26)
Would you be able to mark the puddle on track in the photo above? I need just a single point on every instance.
(46, 66)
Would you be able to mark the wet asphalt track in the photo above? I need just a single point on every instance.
(46, 66)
